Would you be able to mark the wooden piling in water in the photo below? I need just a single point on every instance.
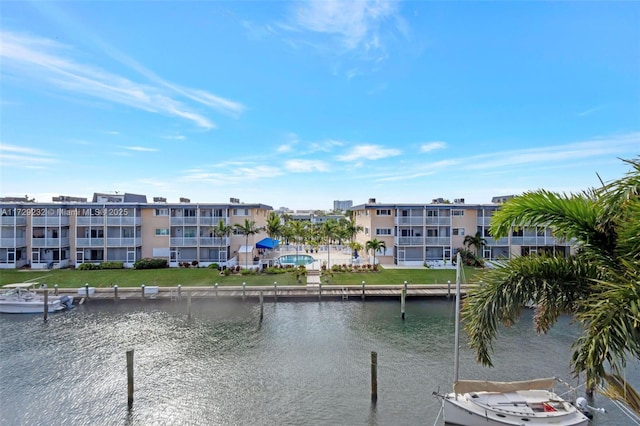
(320, 291)
(244, 288)
(216, 287)
(374, 377)
(46, 304)
(261, 306)
(275, 291)
(142, 292)
(55, 289)
(189, 304)
(130, 378)
(115, 293)
(402, 302)
(86, 291)
(363, 290)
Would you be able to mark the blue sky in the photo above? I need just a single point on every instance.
(297, 104)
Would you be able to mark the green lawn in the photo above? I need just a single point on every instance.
(204, 276)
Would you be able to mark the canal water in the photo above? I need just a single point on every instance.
(307, 363)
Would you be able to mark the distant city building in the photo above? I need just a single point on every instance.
(342, 205)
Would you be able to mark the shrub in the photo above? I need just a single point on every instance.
(88, 267)
(213, 266)
(112, 265)
(247, 272)
(150, 264)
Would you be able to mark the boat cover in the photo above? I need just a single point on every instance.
(466, 386)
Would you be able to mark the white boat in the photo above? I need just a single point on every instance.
(530, 402)
(21, 298)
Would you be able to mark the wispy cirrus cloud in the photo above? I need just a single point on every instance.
(368, 152)
(304, 166)
(356, 24)
(24, 157)
(49, 63)
(140, 149)
(432, 146)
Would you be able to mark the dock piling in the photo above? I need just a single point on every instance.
(142, 292)
(46, 304)
(130, 378)
(244, 289)
(179, 291)
(320, 291)
(448, 288)
(216, 287)
(115, 292)
(363, 290)
(275, 291)
(402, 302)
(189, 304)
(86, 291)
(55, 289)
(374, 377)
(261, 306)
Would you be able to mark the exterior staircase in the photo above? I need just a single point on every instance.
(313, 279)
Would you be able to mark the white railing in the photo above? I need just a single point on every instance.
(89, 220)
(13, 220)
(13, 242)
(214, 241)
(123, 242)
(89, 242)
(410, 241)
(49, 242)
(438, 241)
(439, 220)
(184, 220)
(50, 221)
(407, 220)
(123, 220)
(184, 241)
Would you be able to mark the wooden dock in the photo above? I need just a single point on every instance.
(309, 291)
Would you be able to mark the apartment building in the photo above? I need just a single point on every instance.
(417, 233)
(122, 227)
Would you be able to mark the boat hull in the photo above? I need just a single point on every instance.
(30, 306)
(463, 412)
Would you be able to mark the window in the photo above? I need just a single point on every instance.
(366, 231)
(383, 212)
(432, 232)
(241, 212)
(161, 212)
(458, 231)
(162, 231)
(383, 231)
(457, 212)
(432, 213)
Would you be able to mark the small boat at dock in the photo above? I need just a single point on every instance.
(22, 298)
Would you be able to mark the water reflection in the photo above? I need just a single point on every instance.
(306, 363)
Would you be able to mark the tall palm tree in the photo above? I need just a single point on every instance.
(298, 231)
(247, 228)
(476, 241)
(599, 285)
(374, 245)
(274, 226)
(328, 232)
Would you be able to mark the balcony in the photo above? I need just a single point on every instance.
(499, 242)
(184, 241)
(438, 241)
(445, 221)
(177, 221)
(405, 220)
(13, 220)
(214, 242)
(89, 220)
(13, 242)
(89, 242)
(212, 220)
(484, 221)
(50, 221)
(123, 242)
(50, 242)
(123, 220)
(410, 241)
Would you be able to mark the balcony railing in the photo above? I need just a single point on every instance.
(123, 220)
(184, 241)
(212, 220)
(405, 220)
(484, 221)
(13, 220)
(89, 220)
(438, 241)
(214, 242)
(123, 242)
(184, 220)
(410, 241)
(534, 241)
(50, 242)
(89, 242)
(439, 220)
(499, 242)
(13, 242)
(50, 221)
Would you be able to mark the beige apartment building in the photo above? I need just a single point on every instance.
(123, 227)
(415, 234)
(70, 231)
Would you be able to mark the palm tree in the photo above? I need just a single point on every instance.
(599, 285)
(274, 226)
(246, 229)
(476, 241)
(375, 245)
(328, 232)
(298, 230)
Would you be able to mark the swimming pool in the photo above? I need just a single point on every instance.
(295, 259)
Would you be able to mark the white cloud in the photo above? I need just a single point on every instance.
(432, 146)
(176, 137)
(368, 152)
(302, 166)
(326, 145)
(140, 149)
(23, 157)
(47, 62)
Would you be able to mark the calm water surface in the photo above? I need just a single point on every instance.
(306, 364)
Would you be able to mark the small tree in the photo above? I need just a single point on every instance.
(247, 228)
(375, 245)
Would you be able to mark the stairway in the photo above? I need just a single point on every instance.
(313, 279)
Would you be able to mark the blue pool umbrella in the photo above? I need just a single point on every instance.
(267, 243)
